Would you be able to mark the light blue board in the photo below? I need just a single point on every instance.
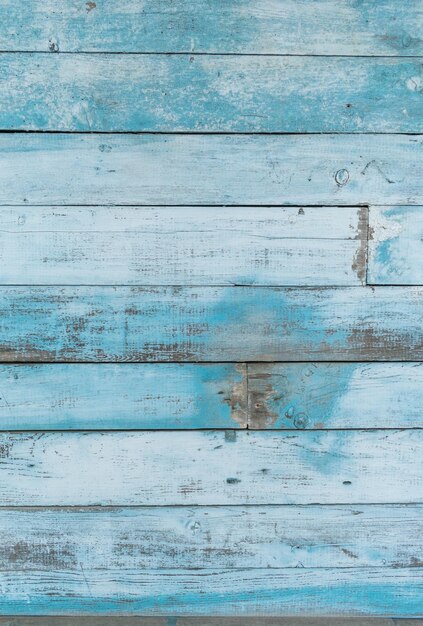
(335, 395)
(396, 246)
(184, 396)
(183, 245)
(90, 396)
(210, 169)
(198, 93)
(325, 27)
(68, 539)
(295, 591)
(211, 467)
(210, 324)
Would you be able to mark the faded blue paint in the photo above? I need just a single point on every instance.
(363, 591)
(209, 324)
(210, 169)
(336, 395)
(210, 93)
(242, 26)
(396, 245)
(69, 397)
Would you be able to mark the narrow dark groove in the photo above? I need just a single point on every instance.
(8, 131)
(195, 53)
(205, 363)
(211, 429)
(110, 507)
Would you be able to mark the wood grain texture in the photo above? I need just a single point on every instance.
(183, 245)
(396, 246)
(211, 468)
(210, 169)
(90, 396)
(163, 93)
(295, 591)
(210, 324)
(182, 396)
(253, 26)
(335, 395)
(70, 539)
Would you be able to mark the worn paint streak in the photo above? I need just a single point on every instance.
(360, 259)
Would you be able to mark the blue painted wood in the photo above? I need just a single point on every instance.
(183, 396)
(89, 396)
(256, 26)
(154, 538)
(210, 93)
(396, 246)
(210, 169)
(211, 468)
(210, 324)
(183, 245)
(295, 591)
(335, 395)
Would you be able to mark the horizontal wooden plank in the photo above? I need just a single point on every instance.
(335, 395)
(183, 245)
(116, 620)
(184, 396)
(42, 168)
(255, 26)
(210, 324)
(101, 92)
(211, 468)
(68, 539)
(89, 396)
(396, 246)
(373, 591)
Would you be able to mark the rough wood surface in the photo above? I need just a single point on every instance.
(301, 591)
(125, 396)
(183, 396)
(396, 246)
(211, 468)
(42, 168)
(335, 395)
(252, 26)
(209, 93)
(183, 245)
(70, 539)
(210, 324)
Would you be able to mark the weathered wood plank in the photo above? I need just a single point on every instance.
(90, 396)
(209, 93)
(211, 468)
(365, 591)
(255, 26)
(210, 169)
(183, 245)
(68, 539)
(210, 324)
(335, 395)
(183, 396)
(396, 246)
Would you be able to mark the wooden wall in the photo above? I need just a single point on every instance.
(211, 305)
